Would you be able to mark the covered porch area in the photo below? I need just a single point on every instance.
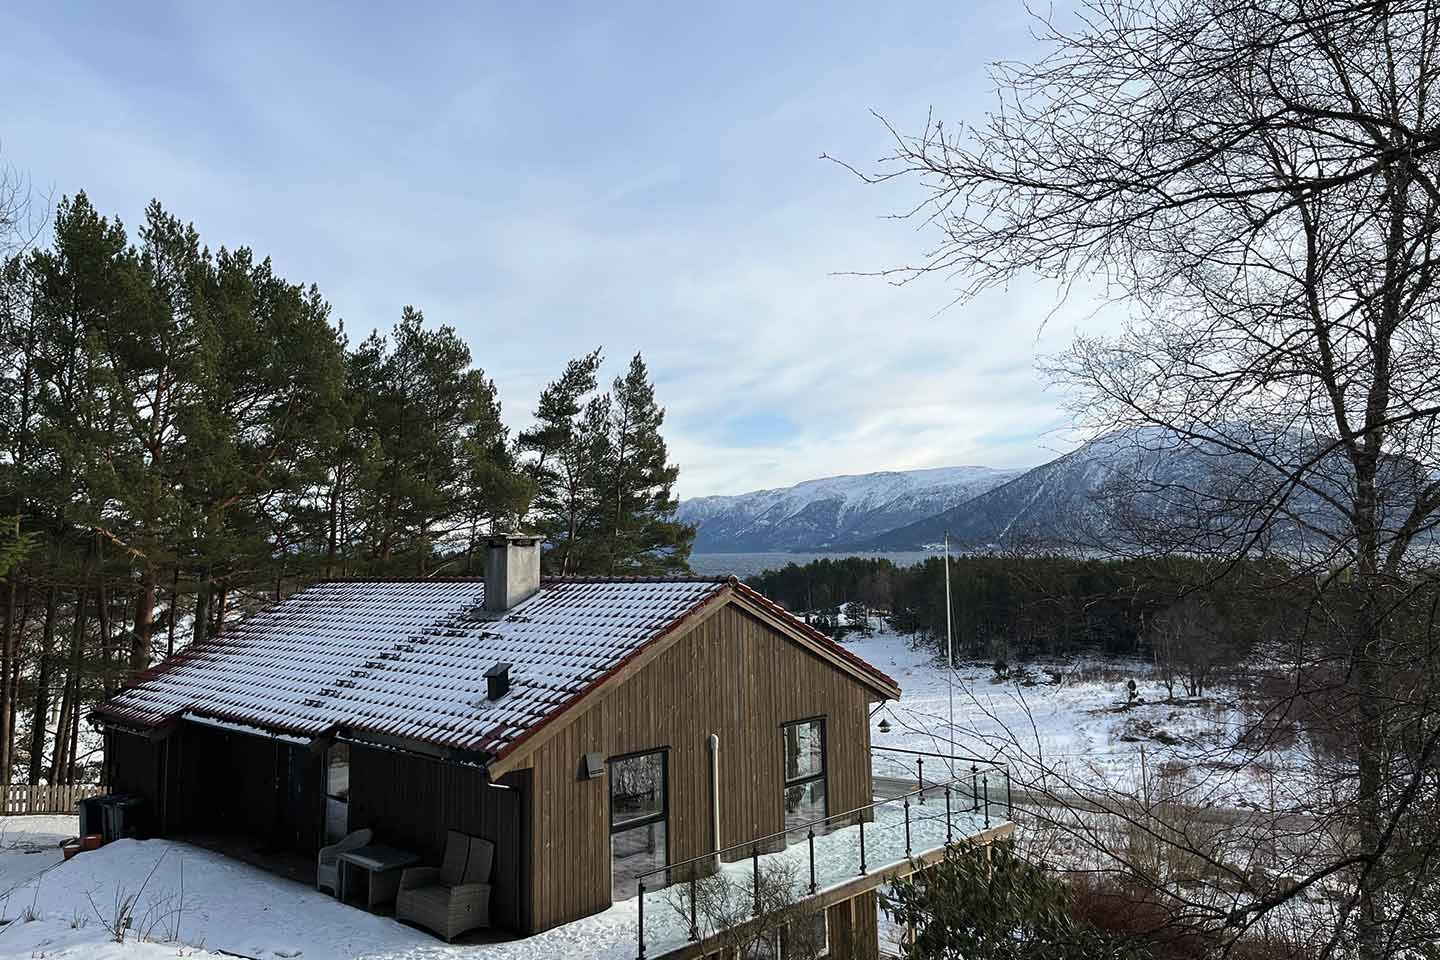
(274, 802)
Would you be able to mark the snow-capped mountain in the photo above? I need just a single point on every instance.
(834, 511)
(1147, 486)
(1053, 501)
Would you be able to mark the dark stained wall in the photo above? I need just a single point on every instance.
(411, 802)
(228, 782)
(731, 675)
(131, 764)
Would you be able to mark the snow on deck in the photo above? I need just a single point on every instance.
(186, 895)
(837, 861)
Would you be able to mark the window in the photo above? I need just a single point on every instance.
(804, 745)
(337, 792)
(638, 811)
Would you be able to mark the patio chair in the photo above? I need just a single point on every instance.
(327, 869)
(453, 897)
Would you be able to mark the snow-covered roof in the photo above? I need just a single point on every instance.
(408, 659)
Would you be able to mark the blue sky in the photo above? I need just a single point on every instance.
(548, 178)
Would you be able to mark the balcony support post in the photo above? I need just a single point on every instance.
(640, 923)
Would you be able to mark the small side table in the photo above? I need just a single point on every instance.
(383, 864)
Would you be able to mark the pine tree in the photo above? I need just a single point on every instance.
(557, 446)
(434, 464)
(643, 535)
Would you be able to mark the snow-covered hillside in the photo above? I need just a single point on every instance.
(1083, 726)
(832, 511)
(1151, 486)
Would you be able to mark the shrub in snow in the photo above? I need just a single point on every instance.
(989, 903)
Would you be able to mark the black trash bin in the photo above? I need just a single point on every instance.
(91, 816)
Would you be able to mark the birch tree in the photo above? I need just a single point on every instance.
(1255, 183)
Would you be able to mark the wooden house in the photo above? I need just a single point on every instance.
(591, 728)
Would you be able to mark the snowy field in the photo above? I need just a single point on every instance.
(1083, 726)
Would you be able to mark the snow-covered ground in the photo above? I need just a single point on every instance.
(184, 901)
(1083, 726)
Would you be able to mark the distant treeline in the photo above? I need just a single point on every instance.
(1005, 605)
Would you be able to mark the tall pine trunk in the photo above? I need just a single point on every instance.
(40, 715)
(7, 657)
(69, 701)
(144, 619)
(203, 587)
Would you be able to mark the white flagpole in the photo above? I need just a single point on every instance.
(949, 656)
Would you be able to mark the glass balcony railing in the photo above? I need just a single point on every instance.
(696, 899)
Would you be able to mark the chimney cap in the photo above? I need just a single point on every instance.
(497, 681)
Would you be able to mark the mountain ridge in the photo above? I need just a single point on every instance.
(831, 511)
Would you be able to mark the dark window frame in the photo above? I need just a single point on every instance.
(787, 782)
(663, 817)
(823, 720)
(664, 814)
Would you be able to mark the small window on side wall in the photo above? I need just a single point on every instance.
(803, 743)
(337, 792)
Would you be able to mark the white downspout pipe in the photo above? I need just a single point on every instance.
(714, 742)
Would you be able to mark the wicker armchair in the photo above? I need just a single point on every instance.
(327, 869)
(453, 897)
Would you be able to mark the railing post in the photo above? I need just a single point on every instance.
(810, 839)
(949, 825)
(907, 826)
(1009, 798)
(974, 788)
(920, 776)
(985, 784)
(694, 926)
(640, 924)
(755, 859)
(862, 843)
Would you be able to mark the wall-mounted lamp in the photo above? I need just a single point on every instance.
(593, 765)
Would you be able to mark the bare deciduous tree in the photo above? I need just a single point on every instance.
(1257, 183)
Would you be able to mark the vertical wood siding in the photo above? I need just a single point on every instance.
(731, 675)
(854, 928)
(411, 802)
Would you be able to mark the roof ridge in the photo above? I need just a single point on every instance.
(621, 578)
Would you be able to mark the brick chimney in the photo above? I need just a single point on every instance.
(512, 570)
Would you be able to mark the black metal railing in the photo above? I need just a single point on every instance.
(955, 765)
(898, 828)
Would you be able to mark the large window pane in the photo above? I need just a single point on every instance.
(803, 743)
(633, 852)
(804, 803)
(637, 789)
(804, 749)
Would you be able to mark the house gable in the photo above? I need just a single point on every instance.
(732, 674)
(736, 597)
